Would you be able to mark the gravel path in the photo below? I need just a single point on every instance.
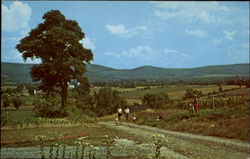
(186, 145)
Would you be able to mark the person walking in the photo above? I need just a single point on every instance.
(119, 114)
(127, 111)
(196, 104)
(134, 118)
(191, 107)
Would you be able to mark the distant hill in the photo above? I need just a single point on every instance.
(13, 72)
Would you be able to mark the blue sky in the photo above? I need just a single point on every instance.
(126, 34)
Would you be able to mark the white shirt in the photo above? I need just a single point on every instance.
(127, 110)
(119, 110)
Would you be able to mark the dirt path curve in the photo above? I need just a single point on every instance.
(186, 145)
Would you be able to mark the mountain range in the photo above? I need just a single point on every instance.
(16, 72)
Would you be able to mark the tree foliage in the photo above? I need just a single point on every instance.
(56, 41)
(17, 102)
(107, 101)
(156, 101)
(191, 92)
(83, 99)
(6, 101)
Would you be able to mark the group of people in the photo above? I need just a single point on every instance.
(126, 113)
(194, 106)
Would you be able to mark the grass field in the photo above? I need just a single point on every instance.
(224, 122)
(27, 136)
(22, 114)
(221, 122)
(174, 92)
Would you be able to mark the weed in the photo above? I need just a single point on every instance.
(109, 142)
(57, 150)
(158, 140)
(64, 150)
(41, 138)
(51, 150)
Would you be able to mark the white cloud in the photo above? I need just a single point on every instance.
(15, 56)
(217, 41)
(169, 51)
(190, 11)
(197, 33)
(140, 51)
(87, 43)
(230, 35)
(145, 52)
(112, 54)
(16, 17)
(122, 31)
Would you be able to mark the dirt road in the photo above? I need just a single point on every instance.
(186, 145)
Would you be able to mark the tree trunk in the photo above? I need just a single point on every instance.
(64, 94)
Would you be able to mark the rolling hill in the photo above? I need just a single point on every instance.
(14, 72)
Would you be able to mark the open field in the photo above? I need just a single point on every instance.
(221, 122)
(66, 135)
(174, 92)
(237, 92)
(22, 114)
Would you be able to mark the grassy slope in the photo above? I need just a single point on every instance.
(224, 122)
(20, 72)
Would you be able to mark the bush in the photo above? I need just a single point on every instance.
(6, 101)
(50, 108)
(156, 101)
(191, 92)
(107, 101)
(78, 115)
(17, 102)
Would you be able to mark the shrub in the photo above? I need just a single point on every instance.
(108, 142)
(191, 92)
(107, 101)
(6, 102)
(79, 115)
(17, 102)
(159, 141)
(49, 108)
(156, 101)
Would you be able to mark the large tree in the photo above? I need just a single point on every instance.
(57, 42)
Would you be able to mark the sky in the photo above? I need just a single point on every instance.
(130, 34)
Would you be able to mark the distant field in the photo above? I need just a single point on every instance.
(175, 92)
(115, 88)
(28, 100)
(241, 91)
(5, 87)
